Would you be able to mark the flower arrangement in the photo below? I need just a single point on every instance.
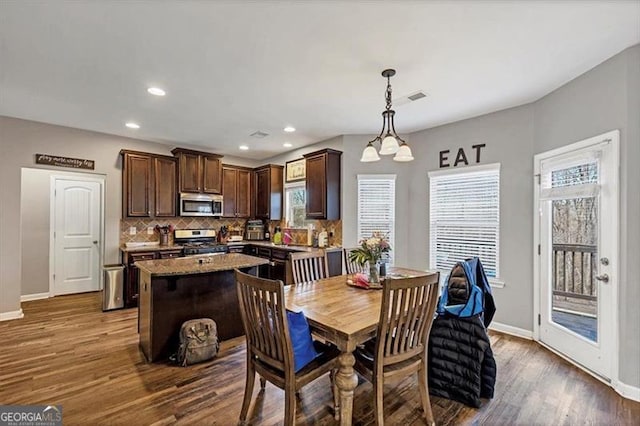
(164, 229)
(370, 250)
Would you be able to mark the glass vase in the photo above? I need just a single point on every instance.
(374, 277)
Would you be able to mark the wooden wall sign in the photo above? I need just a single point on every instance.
(296, 170)
(74, 163)
(461, 157)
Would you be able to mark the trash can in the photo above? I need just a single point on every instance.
(113, 291)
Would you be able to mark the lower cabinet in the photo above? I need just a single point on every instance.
(279, 266)
(132, 275)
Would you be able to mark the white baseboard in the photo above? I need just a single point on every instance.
(34, 296)
(6, 316)
(627, 391)
(514, 331)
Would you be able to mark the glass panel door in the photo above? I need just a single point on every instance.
(574, 296)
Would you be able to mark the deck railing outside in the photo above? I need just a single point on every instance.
(574, 270)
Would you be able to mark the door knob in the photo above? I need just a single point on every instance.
(604, 278)
(95, 242)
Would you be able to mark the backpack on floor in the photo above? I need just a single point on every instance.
(198, 341)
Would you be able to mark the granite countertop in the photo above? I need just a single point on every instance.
(282, 247)
(199, 264)
(150, 247)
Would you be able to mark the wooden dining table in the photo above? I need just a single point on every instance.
(345, 316)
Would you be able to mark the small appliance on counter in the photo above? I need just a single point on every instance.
(198, 241)
(255, 230)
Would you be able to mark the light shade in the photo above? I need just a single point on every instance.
(389, 145)
(369, 154)
(403, 154)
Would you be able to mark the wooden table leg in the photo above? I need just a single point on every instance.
(346, 381)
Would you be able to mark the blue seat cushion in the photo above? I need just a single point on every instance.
(303, 350)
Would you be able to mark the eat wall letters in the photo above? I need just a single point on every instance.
(461, 157)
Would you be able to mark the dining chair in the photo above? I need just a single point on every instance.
(309, 266)
(400, 345)
(269, 345)
(352, 267)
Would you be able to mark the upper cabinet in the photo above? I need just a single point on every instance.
(236, 190)
(148, 185)
(323, 184)
(199, 172)
(268, 190)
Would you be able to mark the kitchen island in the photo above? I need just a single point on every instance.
(176, 290)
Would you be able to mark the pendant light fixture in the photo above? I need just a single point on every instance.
(388, 138)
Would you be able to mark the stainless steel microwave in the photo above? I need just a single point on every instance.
(200, 205)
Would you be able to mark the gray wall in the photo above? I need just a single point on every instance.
(603, 99)
(20, 140)
(509, 138)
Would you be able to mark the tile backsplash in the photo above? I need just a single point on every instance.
(141, 225)
(299, 235)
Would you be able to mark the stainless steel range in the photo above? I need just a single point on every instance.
(198, 241)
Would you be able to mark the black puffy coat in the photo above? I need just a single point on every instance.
(461, 363)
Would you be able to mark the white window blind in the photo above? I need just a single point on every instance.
(376, 208)
(465, 217)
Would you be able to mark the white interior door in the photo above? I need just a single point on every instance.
(578, 205)
(77, 226)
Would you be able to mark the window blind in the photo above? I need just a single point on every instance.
(465, 218)
(376, 209)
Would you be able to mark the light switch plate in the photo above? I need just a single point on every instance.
(149, 230)
(132, 230)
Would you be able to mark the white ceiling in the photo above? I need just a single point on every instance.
(231, 68)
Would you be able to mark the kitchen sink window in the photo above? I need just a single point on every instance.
(377, 209)
(294, 201)
(464, 220)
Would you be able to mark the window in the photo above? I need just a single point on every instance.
(294, 202)
(377, 208)
(465, 217)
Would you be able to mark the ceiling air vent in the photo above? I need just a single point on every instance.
(409, 98)
(416, 96)
(259, 134)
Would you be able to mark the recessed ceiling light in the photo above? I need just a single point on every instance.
(289, 129)
(156, 91)
(132, 125)
(244, 147)
(287, 145)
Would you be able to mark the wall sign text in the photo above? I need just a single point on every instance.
(74, 163)
(461, 156)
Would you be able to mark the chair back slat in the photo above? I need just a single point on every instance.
(311, 266)
(263, 316)
(408, 307)
(352, 267)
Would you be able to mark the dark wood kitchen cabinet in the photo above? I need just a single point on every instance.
(132, 275)
(131, 284)
(199, 172)
(268, 192)
(148, 185)
(236, 190)
(323, 184)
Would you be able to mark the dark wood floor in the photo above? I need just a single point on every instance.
(66, 351)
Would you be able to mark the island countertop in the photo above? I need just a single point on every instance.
(200, 264)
